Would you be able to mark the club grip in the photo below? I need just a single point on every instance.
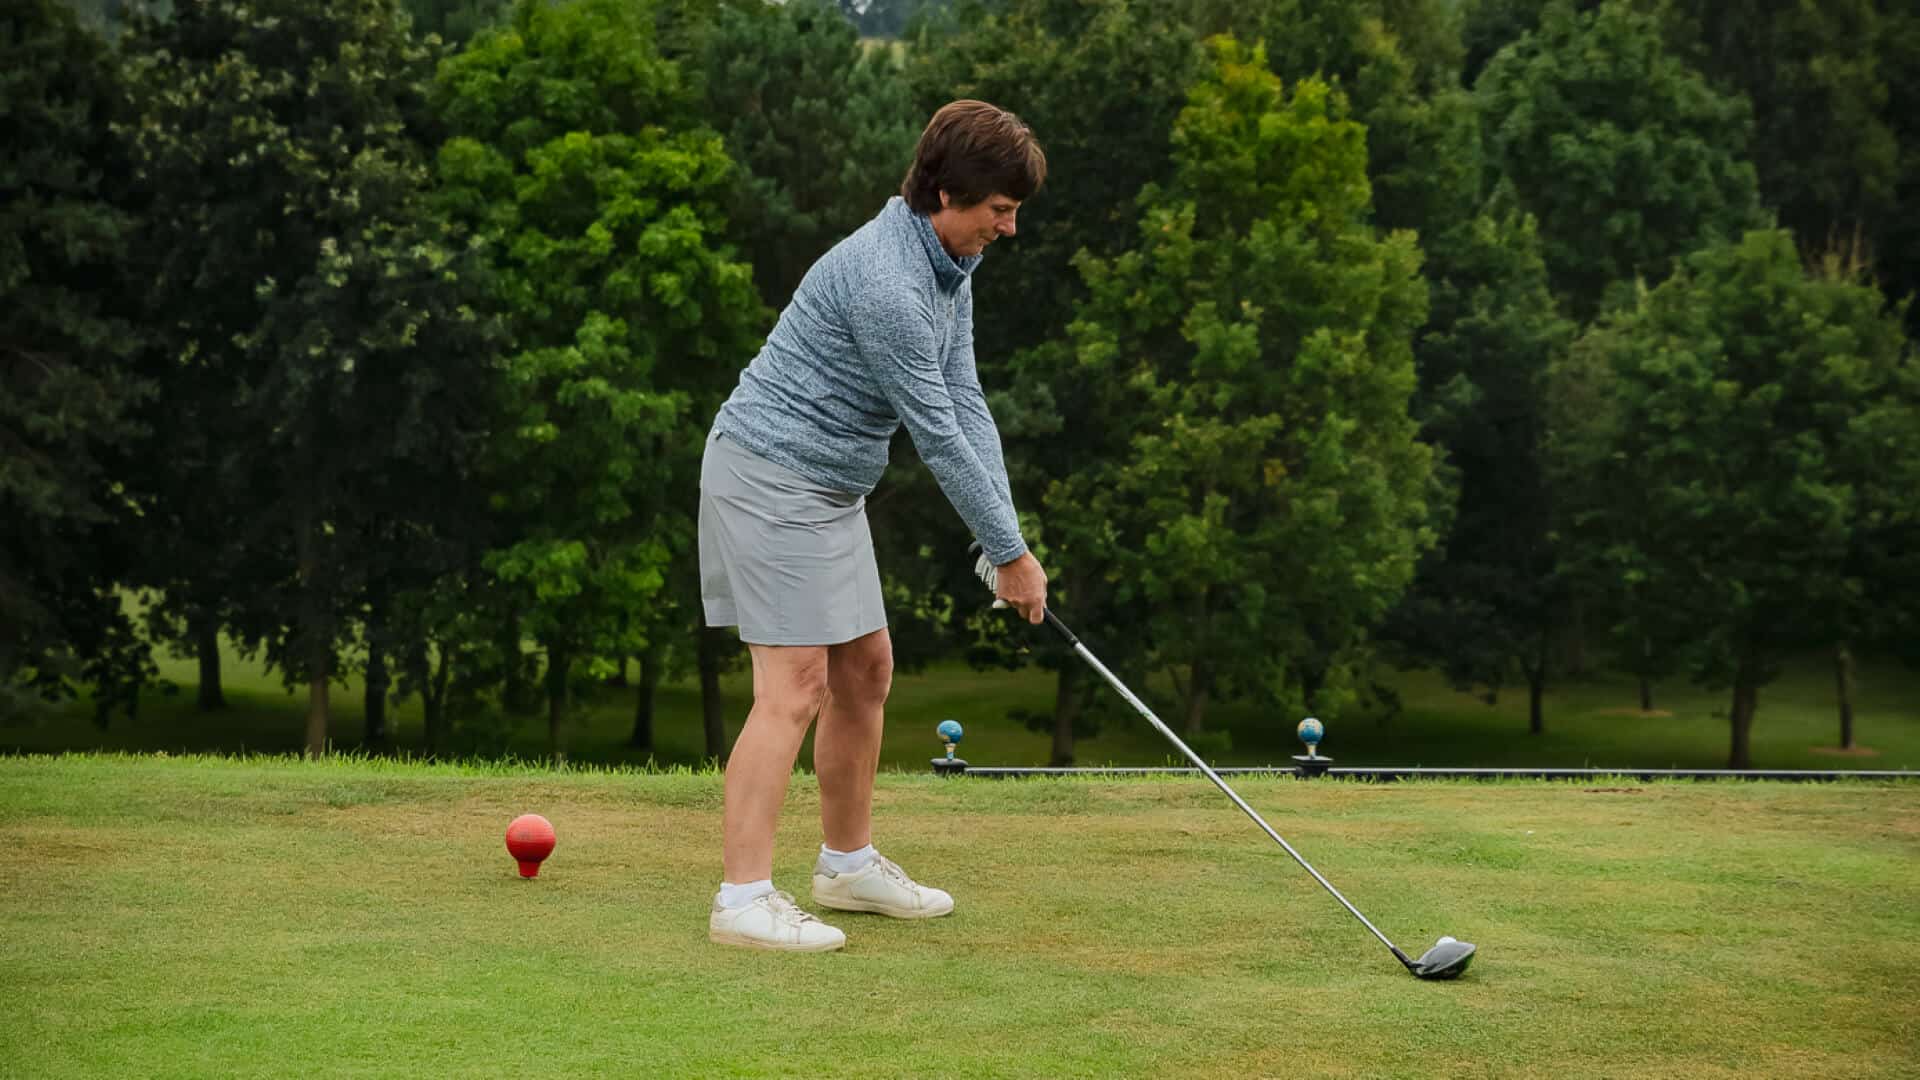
(983, 569)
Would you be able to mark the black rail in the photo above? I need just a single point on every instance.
(1389, 773)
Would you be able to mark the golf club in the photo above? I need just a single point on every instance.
(1446, 960)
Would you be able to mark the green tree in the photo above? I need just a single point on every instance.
(1483, 607)
(1836, 138)
(1836, 103)
(1627, 157)
(1487, 600)
(1101, 81)
(1727, 446)
(1397, 62)
(1898, 255)
(820, 128)
(1483, 604)
(1100, 84)
(1337, 40)
(69, 383)
(1825, 146)
(1256, 347)
(576, 153)
(455, 21)
(885, 18)
(1487, 26)
(1397, 59)
(322, 373)
(106, 15)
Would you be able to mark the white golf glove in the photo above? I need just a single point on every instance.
(983, 567)
(988, 573)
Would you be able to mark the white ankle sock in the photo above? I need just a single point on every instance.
(846, 862)
(733, 896)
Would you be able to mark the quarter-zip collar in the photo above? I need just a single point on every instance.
(948, 272)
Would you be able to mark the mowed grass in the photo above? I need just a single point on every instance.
(269, 917)
(1590, 722)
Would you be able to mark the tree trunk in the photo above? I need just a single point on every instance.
(1202, 673)
(1646, 683)
(1066, 710)
(318, 642)
(206, 636)
(433, 719)
(643, 699)
(317, 713)
(517, 694)
(712, 706)
(1312, 675)
(1576, 638)
(557, 664)
(1746, 698)
(1843, 681)
(379, 681)
(433, 677)
(1537, 687)
(1198, 692)
(418, 667)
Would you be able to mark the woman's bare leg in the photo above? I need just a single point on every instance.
(846, 747)
(789, 683)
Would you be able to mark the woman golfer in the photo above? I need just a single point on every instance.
(880, 333)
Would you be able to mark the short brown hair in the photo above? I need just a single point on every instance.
(973, 151)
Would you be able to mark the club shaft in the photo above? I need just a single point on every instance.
(1141, 707)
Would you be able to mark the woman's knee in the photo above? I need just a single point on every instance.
(864, 673)
(791, 688)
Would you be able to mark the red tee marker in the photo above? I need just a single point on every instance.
(530, 839)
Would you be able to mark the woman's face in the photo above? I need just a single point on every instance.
(967, 230)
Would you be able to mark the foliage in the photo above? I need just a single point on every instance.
(1824, 147)
(885, 18)
(107, 15)
(350, 366)
(820, 128)
(576, 155)
(1486, 600)
(454, 21)
(1255, 350)
(311, 318)
(1625, 155)
(1729, 446)
(1487, 26)
(1836, 105)
(1899, 247)
(1100, 84)
(69, 385)
(1397, 63)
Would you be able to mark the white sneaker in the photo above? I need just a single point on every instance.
(772, 921)
(880, 887)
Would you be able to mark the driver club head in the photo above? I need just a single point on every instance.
(1446, 960)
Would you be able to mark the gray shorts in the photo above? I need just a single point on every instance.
(786, 559)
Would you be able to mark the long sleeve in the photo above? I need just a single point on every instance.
(898, 340)
(879, 335)
(970, 400)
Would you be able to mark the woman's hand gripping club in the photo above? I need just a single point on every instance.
(1020, 584)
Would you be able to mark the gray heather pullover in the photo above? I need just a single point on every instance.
(880, 332)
